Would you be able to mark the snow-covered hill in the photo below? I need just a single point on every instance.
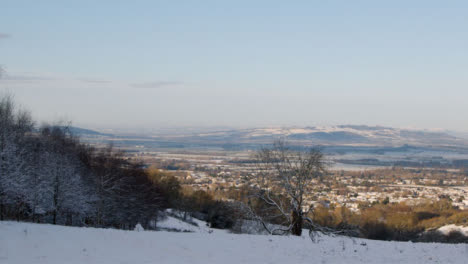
(38, 243)
(352, 135)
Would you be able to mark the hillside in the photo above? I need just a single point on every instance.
(40, 243)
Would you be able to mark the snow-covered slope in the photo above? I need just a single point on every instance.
(171, 223)
(454, 228)
(35, 243)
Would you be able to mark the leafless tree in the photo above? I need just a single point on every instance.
(283, 179)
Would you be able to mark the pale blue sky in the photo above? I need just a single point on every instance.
(238, 63)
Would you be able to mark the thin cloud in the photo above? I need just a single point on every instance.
(26, 78)
(4, 36)
(155, 85)
(88, 80)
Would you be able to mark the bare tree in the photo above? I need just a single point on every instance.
(283, 180)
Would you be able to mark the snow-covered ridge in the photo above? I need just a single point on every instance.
(39, 243)
(343, 134)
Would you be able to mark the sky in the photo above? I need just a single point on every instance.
(150, 64)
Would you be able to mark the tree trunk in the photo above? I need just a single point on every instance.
(296, 223)
(56, 190)
(18, 212)
(54, 221)
(1, 210)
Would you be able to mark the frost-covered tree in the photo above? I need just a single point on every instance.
(38, 186)
(70, 195)
(48, 175)
(14, 168)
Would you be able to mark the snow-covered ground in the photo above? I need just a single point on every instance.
(27, 243)
(171, 223)
(449, 228)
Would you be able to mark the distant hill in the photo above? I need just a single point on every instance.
(349, 135)
(83, 132)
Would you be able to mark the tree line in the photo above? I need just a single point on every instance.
(47, 175)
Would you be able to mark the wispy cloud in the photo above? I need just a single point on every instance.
(23, 77)
(4, 35)
(26, 78)
(90, 80)
(155, 85)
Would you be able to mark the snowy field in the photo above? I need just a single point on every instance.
(36, 243)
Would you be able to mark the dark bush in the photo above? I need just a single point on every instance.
(374, 230)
